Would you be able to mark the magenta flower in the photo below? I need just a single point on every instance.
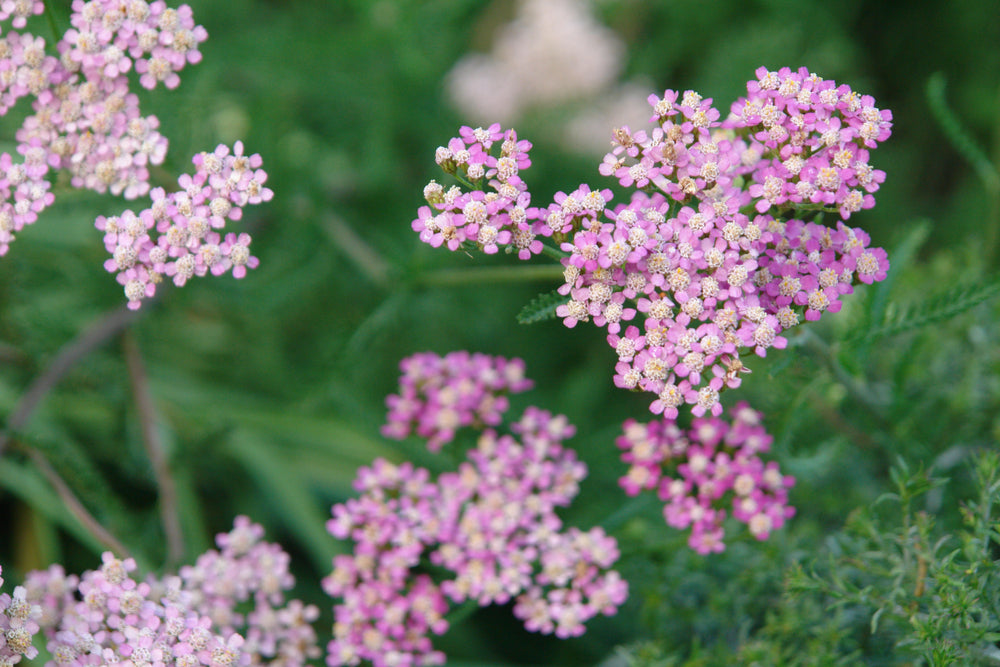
(489, 529)
(702, 471)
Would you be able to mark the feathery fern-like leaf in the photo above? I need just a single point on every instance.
(541, 308)
(957, 136)
(938, 308)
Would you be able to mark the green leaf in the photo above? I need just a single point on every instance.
(541, 308)
(875, 617)
(937, 308)
(297, 505)
(27, 484)
(957, 135)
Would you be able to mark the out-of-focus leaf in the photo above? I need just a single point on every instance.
(28, 485)
(940, 307)
(541, 308)
(296, 504)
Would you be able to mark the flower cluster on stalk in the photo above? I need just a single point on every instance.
(86, 121)
(487, 533)
(18, 626)
(438, 395)
(722, 246)
(700, 471)
(227, 609)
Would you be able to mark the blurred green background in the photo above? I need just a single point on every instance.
(269, 391)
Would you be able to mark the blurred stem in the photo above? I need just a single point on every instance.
(358, 251)
(466, 609)
(554, 253)
(854, 434)
(858, 388)
(985, 168)
(169, 514)
(91, 338)
(73, 504)
(105, 328)
(499, 274)
(53, 25)
(631, 508)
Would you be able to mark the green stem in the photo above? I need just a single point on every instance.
(854, 385)
(820, 208)
(462, 612)
(499, 274)
(53, 25)
(554, 253)
(630, 509)
(156, 451)
(73, 504)
(102, 330)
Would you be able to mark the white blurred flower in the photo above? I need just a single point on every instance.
(554, 51)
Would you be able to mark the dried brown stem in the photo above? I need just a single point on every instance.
(169, 514)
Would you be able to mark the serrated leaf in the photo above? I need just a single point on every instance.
(936, 309)
(541, 308)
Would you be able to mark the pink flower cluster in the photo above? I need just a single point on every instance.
(487, 220)
(247, 572)
(487, 532)
(187, 225)
(720, 248)
(18, 626)
(438, 395)
(87, 121)
(696, 472)
(106, 616)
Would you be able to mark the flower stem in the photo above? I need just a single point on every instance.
(53, 25)
(91, 338)
(169, 514)
(73, 504)
(554, 253)
(499, 274)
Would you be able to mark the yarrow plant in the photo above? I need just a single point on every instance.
(438, 395)
(18, 626)
(107, 616)
(487, 532)
(700, 471)
(87, 122)
(722, 246)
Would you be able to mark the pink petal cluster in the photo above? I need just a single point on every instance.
(242, 586)
(438, 395)
(702, 471)
(490, 530)
(85, 120)
(487, 532)
(720, 248)
(228, 609)
(180, 235)
(484, 219)
(105, 616)
(18, 626)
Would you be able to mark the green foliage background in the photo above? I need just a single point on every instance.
(269, 391)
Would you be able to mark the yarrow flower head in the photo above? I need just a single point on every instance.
(180, 235)
(87, 121)
(107, 616)
(719, 250)
(18, 626)
(438, 395)
(703, 472)
(490, 530)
